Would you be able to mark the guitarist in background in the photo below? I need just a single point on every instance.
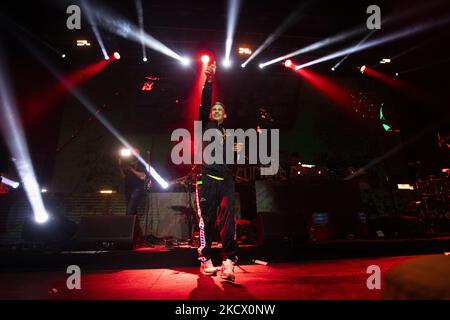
(134, 174)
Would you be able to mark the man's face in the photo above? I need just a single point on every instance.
(217, 113)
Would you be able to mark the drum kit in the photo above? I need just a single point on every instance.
(433, 193)
(435, 186)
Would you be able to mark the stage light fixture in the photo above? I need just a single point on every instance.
(185, 61)
(205, 59)
(333, 68)
(107, 191)
(63, 56)
(42, 217)
(144, 59)
(226, 63)
(288, 63)
(125, 153)
(9, 182)
(243, 51)
(83, 43)
(116, 55)
(405, 186)
(362, 69)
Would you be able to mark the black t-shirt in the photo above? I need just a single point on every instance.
(221, 170)
(133, 182)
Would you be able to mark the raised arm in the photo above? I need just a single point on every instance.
(207, 93)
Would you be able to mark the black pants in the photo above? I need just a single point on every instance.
(133, 198)
(215, 206)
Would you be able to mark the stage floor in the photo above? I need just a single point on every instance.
(322, 280)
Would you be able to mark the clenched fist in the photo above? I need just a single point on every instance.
(210, 72)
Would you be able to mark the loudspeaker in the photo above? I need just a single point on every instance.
(107, 232)
(57, 229)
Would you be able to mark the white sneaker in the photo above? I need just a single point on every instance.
(228, 270)
(207, 268)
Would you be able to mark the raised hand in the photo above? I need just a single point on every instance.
(210, 72)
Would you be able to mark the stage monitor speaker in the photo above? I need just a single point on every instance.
(397, 227)
(107, 232)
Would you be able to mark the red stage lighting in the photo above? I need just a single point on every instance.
(394, 82)
(39, 102)
(205, 58)
(329, 87)
(116, 55)
(288, 63)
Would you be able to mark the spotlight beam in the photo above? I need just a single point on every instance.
(38, 104)
(140, 16)
(318, 45)
(356, 47)
(232, 17)
(389, 80)
(429, 24)
(353, 32)
(15, 139)
(94, 27)
(285, 25)
(125, 29)
(330, 88)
